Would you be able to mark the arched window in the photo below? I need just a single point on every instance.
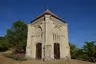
(39, 33)
(56, 34)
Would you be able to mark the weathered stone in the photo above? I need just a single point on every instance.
(44, 32)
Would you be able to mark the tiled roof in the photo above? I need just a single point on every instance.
(50, 13)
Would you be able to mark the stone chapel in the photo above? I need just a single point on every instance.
(47, 38)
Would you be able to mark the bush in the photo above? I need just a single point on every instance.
(4, 45)
(19, 56)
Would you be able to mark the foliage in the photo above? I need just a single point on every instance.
(73, 51)
(90, 51)
(87, 52)
(3, 44)
(18, 57)
(17, 35)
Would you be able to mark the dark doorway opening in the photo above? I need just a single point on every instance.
(38, 50)
(56, 51)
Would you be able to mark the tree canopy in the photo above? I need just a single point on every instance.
(17, 35)
(87, 52)
(4, 45)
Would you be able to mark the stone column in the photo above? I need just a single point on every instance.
(48, 38)
(65, 49)
(28, 50)
(43, 39)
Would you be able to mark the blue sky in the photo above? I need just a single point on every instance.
(80, 15)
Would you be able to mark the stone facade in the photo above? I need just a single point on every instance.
(47, 38)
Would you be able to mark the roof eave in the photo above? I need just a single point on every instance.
(49, 14)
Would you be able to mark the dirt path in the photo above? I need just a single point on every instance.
(5, 60)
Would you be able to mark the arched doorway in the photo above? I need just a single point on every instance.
(56, 51)
(39, 50)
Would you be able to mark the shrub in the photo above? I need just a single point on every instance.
(19, 56)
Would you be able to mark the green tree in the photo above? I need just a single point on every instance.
(87, 52)
(90, 51)
(4, 45)
(17, 35)
(73, 51)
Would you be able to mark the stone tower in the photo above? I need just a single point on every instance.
(47, 38)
